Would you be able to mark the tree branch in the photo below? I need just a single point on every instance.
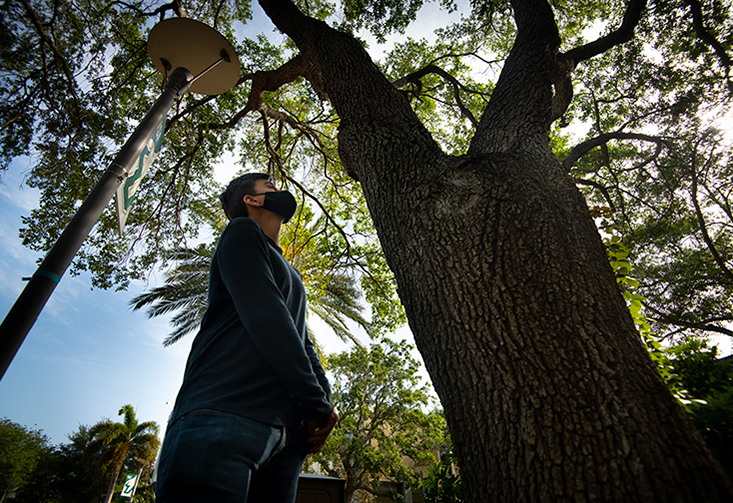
(703, 226)
(623, 34)
(598, 186)
(463, 54)
(270, 80)
(273, 154)
(415, 77)
(521, 103)
(45, 38)
(565, 63)
(704, 325)
(176, 6)
(707, 37)
(582, 149)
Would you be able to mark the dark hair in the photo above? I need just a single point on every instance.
(232, 199)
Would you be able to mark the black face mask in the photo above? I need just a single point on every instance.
(281, 203)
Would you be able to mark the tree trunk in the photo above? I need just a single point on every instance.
(112, 484)
(548, 391)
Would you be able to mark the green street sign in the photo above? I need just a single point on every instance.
(126, 191)
(129, 488)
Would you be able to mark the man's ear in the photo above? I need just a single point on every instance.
(250, 200)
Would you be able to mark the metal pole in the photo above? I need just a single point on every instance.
(31, 301)
(137, 481)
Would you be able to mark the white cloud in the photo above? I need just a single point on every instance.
(13, 190)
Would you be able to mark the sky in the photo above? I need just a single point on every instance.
(88, 353)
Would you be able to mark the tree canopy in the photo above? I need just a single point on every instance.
(76, 78)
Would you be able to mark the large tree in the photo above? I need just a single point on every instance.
(21, 450)
(548, 392)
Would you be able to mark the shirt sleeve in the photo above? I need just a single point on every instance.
(248, 276)
(317, 367)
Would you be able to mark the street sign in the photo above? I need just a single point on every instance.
(127, 189)
(129, 488)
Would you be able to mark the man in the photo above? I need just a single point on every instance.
(254, 399)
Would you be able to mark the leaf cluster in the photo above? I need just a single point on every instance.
(443, 482)
(709, 381)
(380, 400)
(21, 451)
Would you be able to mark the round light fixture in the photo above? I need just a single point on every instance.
(183, 42)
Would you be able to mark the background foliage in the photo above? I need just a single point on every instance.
(78, 471)
(383, 432)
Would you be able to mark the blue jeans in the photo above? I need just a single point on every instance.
(212, 456)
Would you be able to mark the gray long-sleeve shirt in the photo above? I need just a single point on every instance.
(252, 355)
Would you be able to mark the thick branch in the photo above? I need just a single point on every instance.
(364, 99)
(704, 228)
(623, 34)
(706, 36)
(585, 147)
(270, 80)
(518, 114)
(176, 6)
(416, 76)
(566, 62)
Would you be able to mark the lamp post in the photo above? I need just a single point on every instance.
(203, 62)
(143, 464)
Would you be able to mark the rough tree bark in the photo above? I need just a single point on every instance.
(548, 391)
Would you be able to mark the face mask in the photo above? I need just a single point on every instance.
(281, 203)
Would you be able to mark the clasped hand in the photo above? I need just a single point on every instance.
(319, 431)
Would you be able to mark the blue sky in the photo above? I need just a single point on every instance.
(88, 353)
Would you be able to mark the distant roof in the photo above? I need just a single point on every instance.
(314, 476)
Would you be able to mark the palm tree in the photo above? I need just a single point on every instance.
(184, 290)
(333, 294)
(115, 441)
